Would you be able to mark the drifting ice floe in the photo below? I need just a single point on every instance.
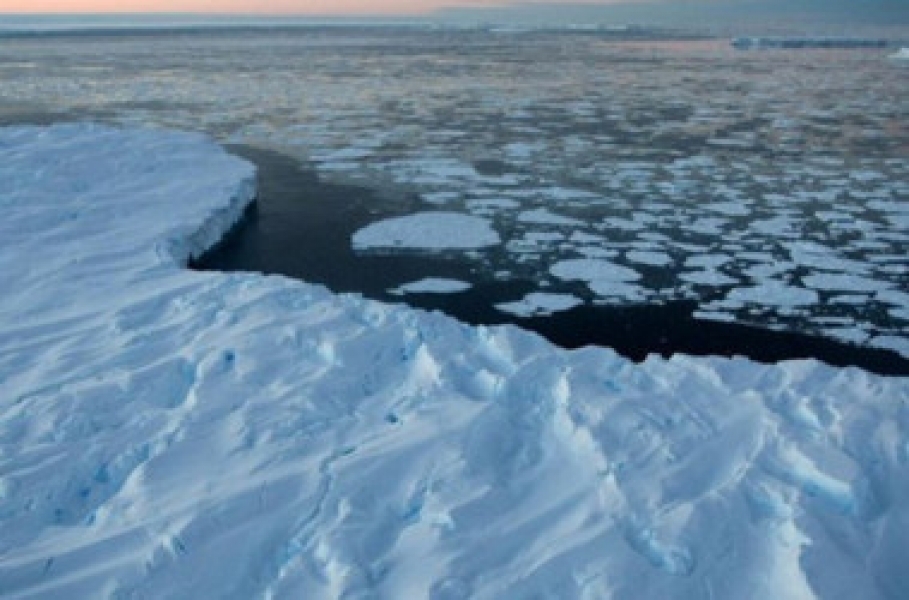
(167, 433)
(540, 304)
(428, 231)
(433, 285)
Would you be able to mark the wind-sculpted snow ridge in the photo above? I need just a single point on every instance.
(167, 433)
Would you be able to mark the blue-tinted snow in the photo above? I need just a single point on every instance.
(169, 433)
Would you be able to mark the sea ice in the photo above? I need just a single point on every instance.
(492, 204)
(540, 304)
(440, 197)
(427, 231)
(543, 216)
(589, 269)
(707, 277)
(729, 209)
(623, 223)
(649, 257)
(432, 285)
(843, 282)
(707, 260)
(606, 279)
(771, 292)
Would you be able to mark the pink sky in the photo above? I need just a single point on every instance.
(312, 7)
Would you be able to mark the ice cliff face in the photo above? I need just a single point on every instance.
(167, 433)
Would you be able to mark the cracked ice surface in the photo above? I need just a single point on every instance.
(677, 151)
(169, 433)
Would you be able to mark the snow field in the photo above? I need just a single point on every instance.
(167, 433)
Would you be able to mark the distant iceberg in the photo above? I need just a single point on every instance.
(748, 43)
(901, 54)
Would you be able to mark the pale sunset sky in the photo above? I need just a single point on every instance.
(303, 7)
(888, 12)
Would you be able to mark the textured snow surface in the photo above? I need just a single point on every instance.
(167, 433)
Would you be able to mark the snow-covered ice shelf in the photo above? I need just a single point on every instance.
(167, 433)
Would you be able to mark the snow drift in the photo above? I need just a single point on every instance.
(167, 433)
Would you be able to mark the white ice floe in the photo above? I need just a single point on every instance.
(596, 252)
(427, 231)
(820, 257)
(492, 204)
(850, 299)
(610, 291)
(707, 260)
(581, 237)
(524, 151)
(590, 269)
(774, 293)
(899, 344)
(433, 285)
(350, 154)
(902, 55)
(710, 226)
(626, 224)
(564, 194)
(440, 197)
(729, 209)
(649, 257)
(843, 282)
(432, 171)
(167, 433)
(540, 304)
(769, 269)
(711, 315)
(707, 277)
(542, 216)
(606, 279)
(849, 334)
(895, 297)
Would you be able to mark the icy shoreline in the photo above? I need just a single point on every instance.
(174, 433)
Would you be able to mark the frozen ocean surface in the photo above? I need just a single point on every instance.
(766, 187)
(170, 433)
